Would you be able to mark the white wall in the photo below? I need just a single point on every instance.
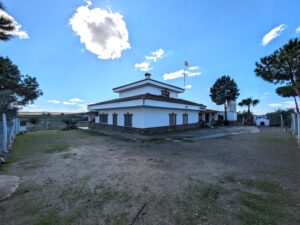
(259, 120)
(144, 102)
(146, 117)
(144, 90)
(137, 119)
(231, 116)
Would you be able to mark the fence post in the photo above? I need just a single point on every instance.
(293, 121)
(298, 126)
(4, 132)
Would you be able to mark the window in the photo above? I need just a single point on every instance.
(115, 119)
(103, 118)
(185, 118)
(128, 120)
(172, 119)
(165, 93)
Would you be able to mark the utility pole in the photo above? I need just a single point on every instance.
(186, 65)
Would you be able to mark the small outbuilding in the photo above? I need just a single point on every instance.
(261, 121)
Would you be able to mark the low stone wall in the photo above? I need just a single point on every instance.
(144, 131)
(48, 122)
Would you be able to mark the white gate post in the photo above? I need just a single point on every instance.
(4, 132)
(298, 126)
(293, 124)
(296, 123)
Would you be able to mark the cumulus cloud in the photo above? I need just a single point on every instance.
(274, 104)
(145, 66)
(18, 28)
(69, 103)
(275, 32)
(75, 100)
(286, 104)
(181, 73)
(53, 101)
(103, 32)
(156, 55)
(298, 30)
(194, 68)
(188, 86)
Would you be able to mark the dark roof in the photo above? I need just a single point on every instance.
(211, 110)
(151, 80)
(150, 97)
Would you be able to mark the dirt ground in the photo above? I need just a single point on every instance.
(81, 177)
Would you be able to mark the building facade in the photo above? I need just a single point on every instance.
(146, 106)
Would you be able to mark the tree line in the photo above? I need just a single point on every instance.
(281, 67)
(16, 90)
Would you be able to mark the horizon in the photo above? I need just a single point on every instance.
(78, 61)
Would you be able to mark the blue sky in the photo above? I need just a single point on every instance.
(78, 59)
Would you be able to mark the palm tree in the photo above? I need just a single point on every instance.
(248, 102)
(7, 25)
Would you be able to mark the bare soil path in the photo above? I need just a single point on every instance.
(81, 177)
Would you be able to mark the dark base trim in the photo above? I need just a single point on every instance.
(145, 131)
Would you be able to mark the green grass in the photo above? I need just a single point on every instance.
(39, 142)
(263, 185)
(267, 207)
(61, 147)
(53, 218)
(200, 201)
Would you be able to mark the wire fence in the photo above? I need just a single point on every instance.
(9, 128)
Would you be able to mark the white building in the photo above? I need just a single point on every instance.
(146, 106)
(261, 121)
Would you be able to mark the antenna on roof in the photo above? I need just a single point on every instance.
(186, 64)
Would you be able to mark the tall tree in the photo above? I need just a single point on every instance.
(7, 25)
(286, 92)
(223, 91)
(282, 66)
(16, 90)
(248, 102)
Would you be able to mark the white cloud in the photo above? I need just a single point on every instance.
(274, 104)
(286, 104)
(180, 73)
(143, 66)
(18, 28)
(173, 75)
(103, 32)
(194, 68)
(275, 32)
(289, 104)
(53, 101)
(69, 103)
(75, 100)
(298, 30)
(188, 86)
(192, 74)
(32, 106)
(156, 55)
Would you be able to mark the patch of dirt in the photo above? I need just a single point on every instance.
(102, 179)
